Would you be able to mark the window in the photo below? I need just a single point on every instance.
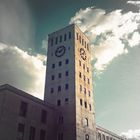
(59, 75)
(53, 66)
(84, 78)
(58, 102)
(56, 40)
(43, 116)
(59, 88)
(85, 122)
(60, 120)
(86, 137)
(65, 37)
(52, 90)
(60, 39)
(85, 90)
(77, 36)
(99, 136)
(20, 135)
(80, 75)
(81, 102)
(23, 109)
(85, 44)
(80, 88)
(32, 133)
(52, 42)
(89, 93)
(107, 137)
(88, 80)
(66, 100)
(103, 137)
(52, 77)
(60, 136)
(66, 86)
(90, 107)
(84, 66)
(87, 69)
(42, 134)
(67, 73)
(67, 61)
(85, 104)
(69, 35)
(79, 63)
(60, 63)
(82, 41)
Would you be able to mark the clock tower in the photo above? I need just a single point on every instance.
(69, 84)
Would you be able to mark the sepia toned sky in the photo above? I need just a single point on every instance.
(113, 27)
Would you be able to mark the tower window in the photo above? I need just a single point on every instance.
(23, 109)
(67, 61)
(80, 75)
(20, 135)
(81, 102)
(80, 88)
(32, 133)
(60, 39)
(66, 100)
(85, 90)
(85, 104)
(85, 123)
(66, 86)
(85, 44)
(52, 42)
(60, 136)
(80, 38)
(86, 137)
(69, 35)
(43, 116)
(90, 107)
(59, 75)
(89, 93)
(65, 37)
(79, 63)
(52, 90)
(87, 69)
(52, 77)
(53, 66)
(82, 41)
(59, 88)
(58, 102)
(67, 73)
(42, 134)
(84, 78)
(88, 80)
(77, 35)
(60, 63)
(56, 40)
(84, 66)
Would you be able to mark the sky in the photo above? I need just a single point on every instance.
(113, 27)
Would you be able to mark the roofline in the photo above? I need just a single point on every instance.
(25, 95)
(108, 131)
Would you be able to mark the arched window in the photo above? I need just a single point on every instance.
(99, 136)
(86, 137)
(85, 122)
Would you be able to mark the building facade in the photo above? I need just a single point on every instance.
(67, 111)
(69, 83)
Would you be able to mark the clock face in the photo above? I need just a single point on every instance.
(60, 51)
(83, 54)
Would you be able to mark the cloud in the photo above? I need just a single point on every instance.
(132, 134)
(136, 3)
(16, 25)
(22, 70)
(111, 34)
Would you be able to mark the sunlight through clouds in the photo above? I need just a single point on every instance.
(111, 33)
